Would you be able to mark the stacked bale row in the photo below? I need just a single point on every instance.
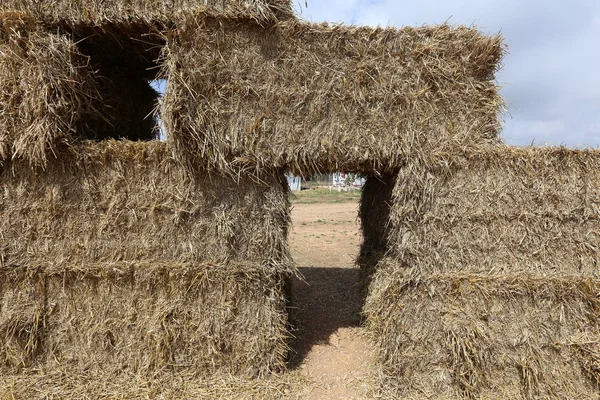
(115, 259)
(489, 288)
(301, 96)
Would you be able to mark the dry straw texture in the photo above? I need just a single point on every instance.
(98, 12)
(497, 210)
(46, 88)
(65, 383)
(317, 97)
(457, 336)
(490, 284)
(114, 259)
(52, 95)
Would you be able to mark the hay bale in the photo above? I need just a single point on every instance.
(97, 12)
(46, 87)
(52, 95)
(312, 97)
(489, 287)
(499, 210)
(457, 336)
(115, 258)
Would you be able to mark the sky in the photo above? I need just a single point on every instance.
(551, 77)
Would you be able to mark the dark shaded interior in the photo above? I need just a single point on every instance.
(374, 213)
(124, 59)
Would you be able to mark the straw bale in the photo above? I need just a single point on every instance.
(45, 88)
(114, 258)
(98, 12)
(144, 317)
(67, 383)
(52, 95)
(457, 336)
(312, 97)
(497, 210)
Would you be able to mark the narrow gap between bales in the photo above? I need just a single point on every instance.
(160, 86)
(330, 348)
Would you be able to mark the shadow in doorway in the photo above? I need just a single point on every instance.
(327, 299)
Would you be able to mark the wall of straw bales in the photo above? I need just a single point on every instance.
(114, 258)
(489, 287)
(316, 97)
(92, 12)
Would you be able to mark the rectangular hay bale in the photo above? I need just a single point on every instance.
(313, 97)
(499, 210)
(96, 12)
(457, 336)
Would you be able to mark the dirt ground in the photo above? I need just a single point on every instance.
(331, 350)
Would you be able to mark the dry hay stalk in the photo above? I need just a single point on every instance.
(456, 336)
(316, 97)
(115, 257)
(98, 12)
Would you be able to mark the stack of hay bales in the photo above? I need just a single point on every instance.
(490, 286)
(113, 257)
(122, 256)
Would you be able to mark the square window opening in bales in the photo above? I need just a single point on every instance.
(127, 79)
(160, 86)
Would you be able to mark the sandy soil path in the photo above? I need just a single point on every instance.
(331, 350)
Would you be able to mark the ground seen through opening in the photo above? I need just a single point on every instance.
(330, 348)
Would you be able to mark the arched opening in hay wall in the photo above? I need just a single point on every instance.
(127, 74)
(337, 237)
